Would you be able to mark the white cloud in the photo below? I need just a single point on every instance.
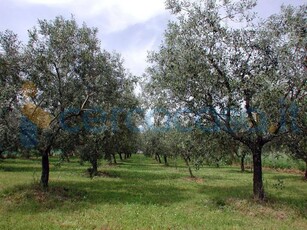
(46, 2)
(114, 18)
(118, 14)
(135, 59)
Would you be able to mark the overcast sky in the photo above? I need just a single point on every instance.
(130, 27)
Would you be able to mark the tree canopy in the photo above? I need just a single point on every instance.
(246, 81)
(64, 89)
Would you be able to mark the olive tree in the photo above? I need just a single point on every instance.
(106, 128)
(296, 141)
(238, 79)
(71, 73)
(10, 82)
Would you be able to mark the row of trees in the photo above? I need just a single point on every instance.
(231, 84)
(60, 91)
(234, 75)
(198, 149)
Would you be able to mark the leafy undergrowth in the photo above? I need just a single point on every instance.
(141, 194)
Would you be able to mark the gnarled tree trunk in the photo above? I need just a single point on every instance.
(94, 170)
(45, 161)
(158, 158)
(114, 158)
(186, 160)
(165, 159)
(45, 167)
(257, 174)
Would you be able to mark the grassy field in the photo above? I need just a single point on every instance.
(141, 194)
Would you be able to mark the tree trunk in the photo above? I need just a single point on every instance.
(114, 158)
(45, 168)
(242, 163)
(257, 175)
(165, 159)
(108, 157)
(158, 157)
(189, 167)
(120, 156)
(45, 161)
(94, 167)
(1, 156)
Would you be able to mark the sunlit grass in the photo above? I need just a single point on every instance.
(141, 194)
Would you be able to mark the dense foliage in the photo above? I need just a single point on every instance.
(59, 90)
(246, 81)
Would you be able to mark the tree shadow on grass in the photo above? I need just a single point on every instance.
(30, 168)
(224, 195)
(68, 196)
(143, 167)
(131, 174)
(18, 168)
(226, 192)
(33, 165)
(298, 204)
(293, 177)
(237, 170)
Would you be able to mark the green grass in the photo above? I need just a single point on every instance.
(141, 194)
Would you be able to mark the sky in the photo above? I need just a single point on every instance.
(130, 27)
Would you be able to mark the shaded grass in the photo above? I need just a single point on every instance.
(141, 194)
